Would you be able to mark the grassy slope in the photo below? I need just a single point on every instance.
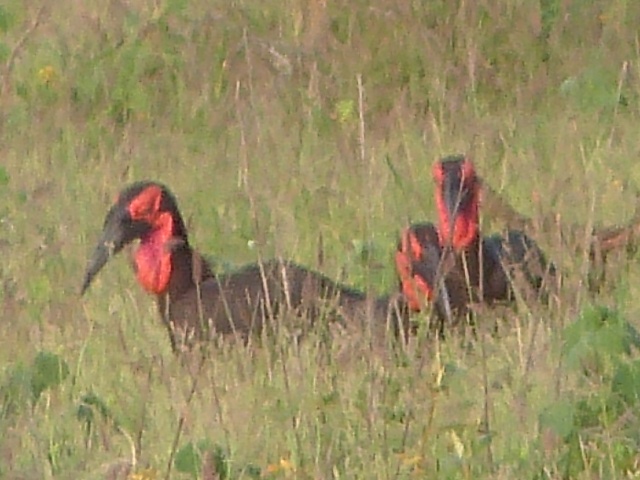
(250, 111)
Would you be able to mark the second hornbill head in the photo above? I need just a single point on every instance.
(457, 196)
(145, 211)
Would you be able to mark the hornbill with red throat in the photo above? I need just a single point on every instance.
(194, 302)
(471, 268)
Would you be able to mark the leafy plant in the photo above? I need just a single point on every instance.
(598, 344)
(191, 457)
(598, 340)
(48, 371)
(25, 384)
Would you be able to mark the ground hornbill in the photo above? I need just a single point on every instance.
(471, 267)
(194, 302)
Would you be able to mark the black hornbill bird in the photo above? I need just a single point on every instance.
(194, 302)
(468, 267)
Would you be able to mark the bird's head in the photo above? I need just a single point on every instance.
(141, 209)
(457, 198)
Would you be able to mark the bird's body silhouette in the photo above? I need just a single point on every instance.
(452, 263)
(194, 303)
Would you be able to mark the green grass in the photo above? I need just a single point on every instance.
(274, 123)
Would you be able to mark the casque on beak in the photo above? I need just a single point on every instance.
(453, 195)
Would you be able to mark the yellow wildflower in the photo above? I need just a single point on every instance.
(344, 111)
(47, 75)
(617, 184)
(284, 465)
(409, 460)
(458, 446)
(146, 474)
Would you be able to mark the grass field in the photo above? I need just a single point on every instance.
(273, 123)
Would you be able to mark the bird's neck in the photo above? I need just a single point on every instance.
(189, 269)
(164, 261)
(464, 232)
(152, 259)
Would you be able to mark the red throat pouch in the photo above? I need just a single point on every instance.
(465, 229)
(153, 258)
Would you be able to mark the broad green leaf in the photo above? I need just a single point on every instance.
(599, 337)
(48, 371)
(5, 19)
(626, 382)
(188, 460)
(190, 457)
(90, 404)
(559, 418)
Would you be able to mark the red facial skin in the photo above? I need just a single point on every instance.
(465, 229)
(153, 256)
(415, 288)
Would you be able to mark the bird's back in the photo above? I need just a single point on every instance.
(258, 296)
(515, 260)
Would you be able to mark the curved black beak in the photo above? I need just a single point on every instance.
(110, 243)
(118, 230)
(431, 269)
(101, 255)
(454, 195)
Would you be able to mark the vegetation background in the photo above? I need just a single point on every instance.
(275, 122)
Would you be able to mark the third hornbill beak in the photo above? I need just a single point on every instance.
(118, 230)
(431, 270)
(455, 195)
